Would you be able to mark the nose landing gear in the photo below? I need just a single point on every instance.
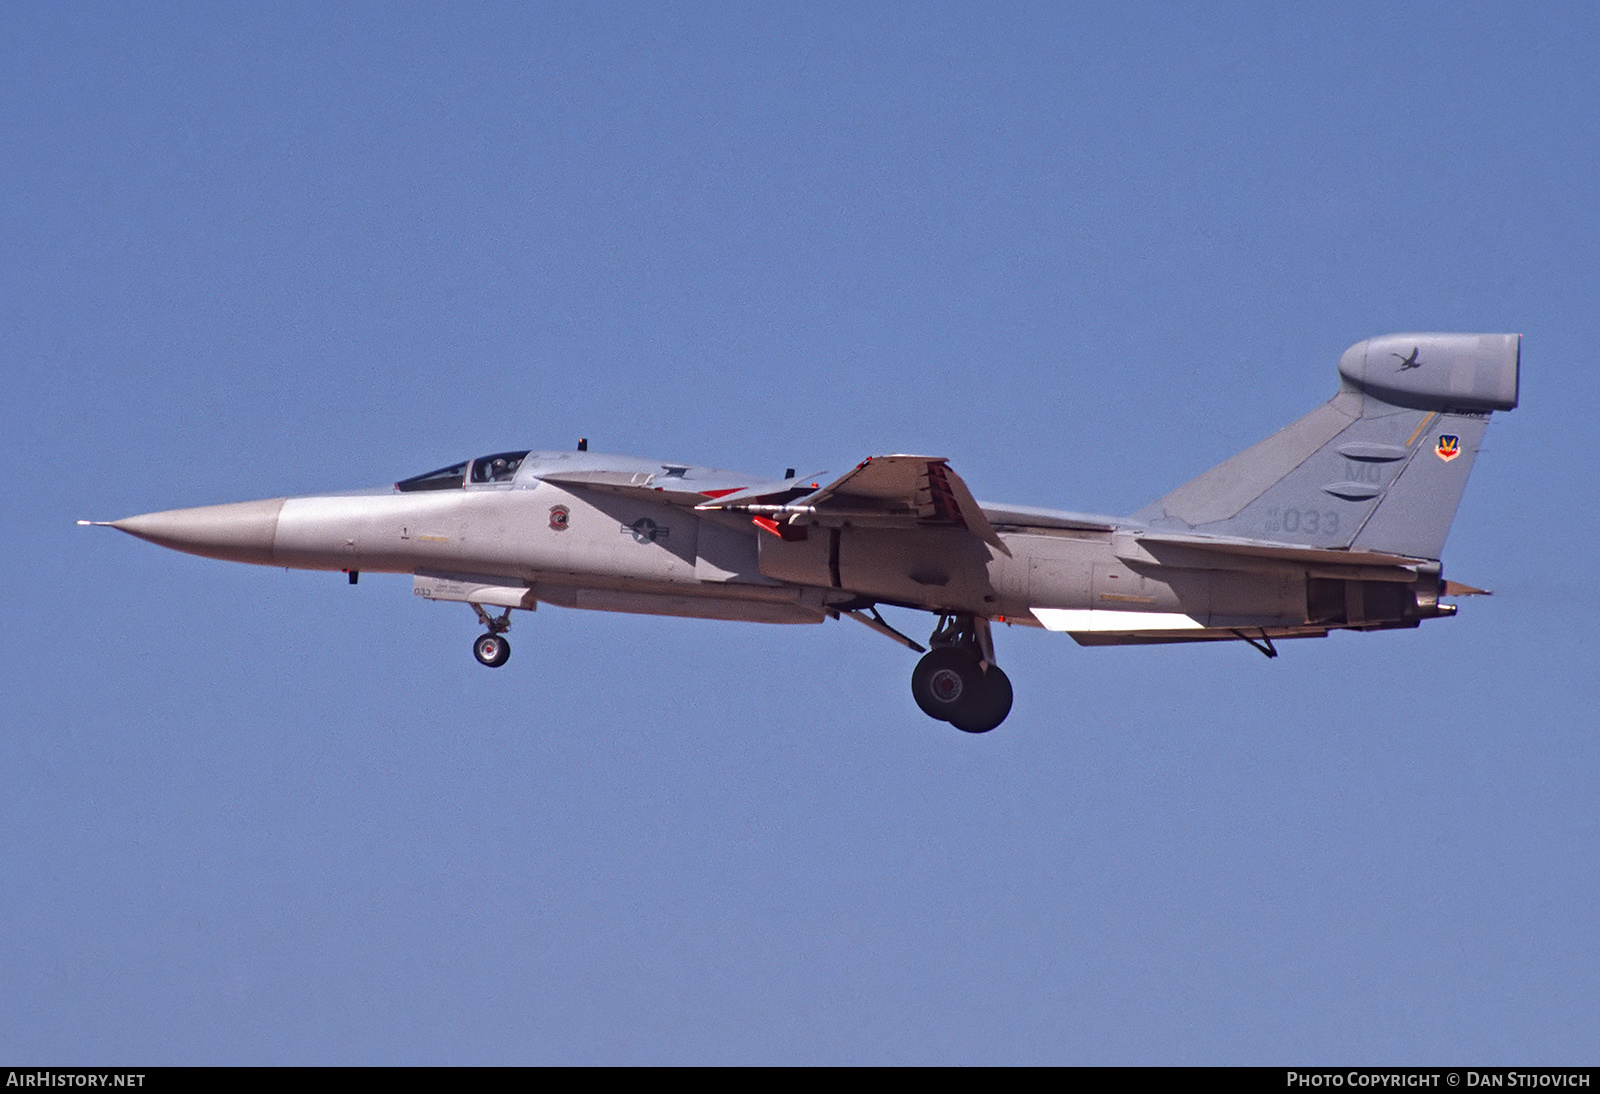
(958, 681)
(492, 649)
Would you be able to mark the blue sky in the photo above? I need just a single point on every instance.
(1084, 251)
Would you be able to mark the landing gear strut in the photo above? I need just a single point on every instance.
(492, 649)
(958, 681)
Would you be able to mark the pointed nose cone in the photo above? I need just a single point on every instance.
(241, 532)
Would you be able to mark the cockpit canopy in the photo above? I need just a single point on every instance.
(501, 467)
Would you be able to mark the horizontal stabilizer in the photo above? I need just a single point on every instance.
(1095, 627)
(1285, 552)
(1092, 619)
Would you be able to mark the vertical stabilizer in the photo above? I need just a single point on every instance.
(1379, 467)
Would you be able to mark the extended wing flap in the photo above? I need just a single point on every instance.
(945, 486)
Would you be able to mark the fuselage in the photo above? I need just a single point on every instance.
(610, 544)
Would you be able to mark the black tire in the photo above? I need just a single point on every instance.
(944, 681)
(988, 705)
(492, 650)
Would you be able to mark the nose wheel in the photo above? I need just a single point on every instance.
(492, 649)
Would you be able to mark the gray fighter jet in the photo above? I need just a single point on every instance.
(1336, 522)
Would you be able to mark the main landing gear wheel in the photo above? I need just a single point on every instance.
(492, 650)
(989, 707)
(941, 678)
(952, 685)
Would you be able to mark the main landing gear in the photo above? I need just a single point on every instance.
(492, 649)
(958, 681)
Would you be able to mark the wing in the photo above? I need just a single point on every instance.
(1027, 518)
(672, 489)
(880, 492)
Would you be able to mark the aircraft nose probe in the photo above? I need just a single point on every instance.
(237, 532)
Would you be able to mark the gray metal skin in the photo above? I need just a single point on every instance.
(1337, 521)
